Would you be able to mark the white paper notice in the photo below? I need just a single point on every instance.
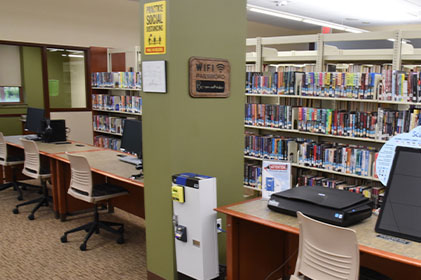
(384, 161)
(276, 177)
(154, 76)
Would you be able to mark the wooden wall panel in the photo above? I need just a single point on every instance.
(118, 62)
(98, 61)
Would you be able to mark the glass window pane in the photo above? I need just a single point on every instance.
(66, 78)
(9, 94)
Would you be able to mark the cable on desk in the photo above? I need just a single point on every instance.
(282, 265)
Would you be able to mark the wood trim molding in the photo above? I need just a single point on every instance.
(153, 276)
(9, 115)
(46, 95)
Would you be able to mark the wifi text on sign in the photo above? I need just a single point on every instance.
(209, 77)
(154, 39)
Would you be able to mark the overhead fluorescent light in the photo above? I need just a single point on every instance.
(324, 23)
(275, 13)
(75, 55)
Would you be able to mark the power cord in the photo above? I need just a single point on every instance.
(282, 265)
(220, 229)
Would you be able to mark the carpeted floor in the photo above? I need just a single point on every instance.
(32, 249)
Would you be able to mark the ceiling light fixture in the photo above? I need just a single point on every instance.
(75, 55)
(275, 13)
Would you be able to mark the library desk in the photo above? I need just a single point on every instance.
(260, 240)
(105, 166)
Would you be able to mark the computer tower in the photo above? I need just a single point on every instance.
(55, 131)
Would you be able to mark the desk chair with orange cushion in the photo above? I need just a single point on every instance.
(82, 187)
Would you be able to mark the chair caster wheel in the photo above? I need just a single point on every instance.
(120, 240)
(83, 247)
(31, 217)
(20, 198)
(16, 211)
(63, 239)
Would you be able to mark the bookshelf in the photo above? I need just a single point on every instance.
(264, 57)
(115, 97)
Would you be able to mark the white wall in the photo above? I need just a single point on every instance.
(103, 23)
(80, 124)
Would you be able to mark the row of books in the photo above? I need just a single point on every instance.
(347, 159)
(381, 125)
(108, 124)
(324, 84)
(125, 103)
(107, 142)
(269, 115)
(375, 193)
(389, 85)
(400, 86)
(128, 80)
(337, 122)
(253, 175)
(270, 147)
(394, 122)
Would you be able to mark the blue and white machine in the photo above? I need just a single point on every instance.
(196, 242)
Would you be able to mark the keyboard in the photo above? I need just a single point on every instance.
(32, 137)
(131, 160)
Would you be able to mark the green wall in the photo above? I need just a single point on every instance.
(31, 66)
(184, 134)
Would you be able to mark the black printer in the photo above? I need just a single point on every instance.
(333, 206)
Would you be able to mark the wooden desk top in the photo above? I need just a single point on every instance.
(256, 210)
(102, 161)
(52, 148)
(107, 163)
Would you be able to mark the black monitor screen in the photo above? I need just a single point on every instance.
(35, 120)
(401, 211)
(131, 141)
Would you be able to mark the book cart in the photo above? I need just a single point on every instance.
(328, 111)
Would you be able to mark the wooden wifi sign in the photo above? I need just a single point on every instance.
(209, 77)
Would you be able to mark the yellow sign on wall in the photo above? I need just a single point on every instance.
(155, 28)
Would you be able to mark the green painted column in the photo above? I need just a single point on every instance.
(185, 134)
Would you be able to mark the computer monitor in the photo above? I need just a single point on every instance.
(401, 210)
(35, 120)
(131, 141)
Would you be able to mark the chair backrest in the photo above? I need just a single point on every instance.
(32, 164)
(326, 252)
(3, 150)
(81, 176)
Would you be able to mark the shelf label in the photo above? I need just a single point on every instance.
(155, 26)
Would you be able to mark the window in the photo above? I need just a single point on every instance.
(10, 75)
(10, 95)
(66, 78)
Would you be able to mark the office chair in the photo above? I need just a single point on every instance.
(33, 169)
(326, 252)
(81, 187)
(13, 162)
